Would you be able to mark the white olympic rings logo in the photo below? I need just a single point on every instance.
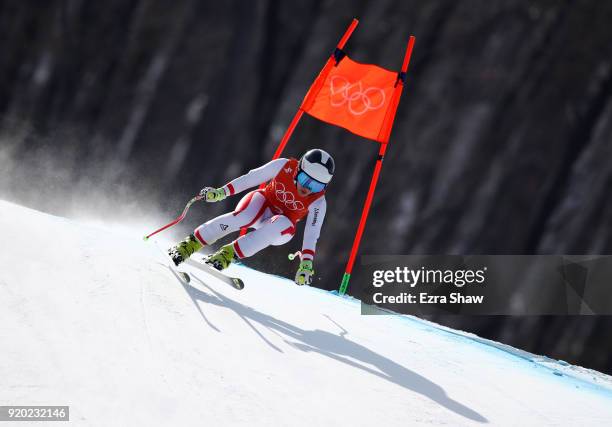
(287, 197)
(359, 100)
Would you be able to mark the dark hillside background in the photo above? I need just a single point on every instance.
(502, 142)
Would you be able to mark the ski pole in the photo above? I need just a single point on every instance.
(179, 219)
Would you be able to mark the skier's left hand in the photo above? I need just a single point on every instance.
(305, 273)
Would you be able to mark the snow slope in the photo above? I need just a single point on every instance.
(92, 317)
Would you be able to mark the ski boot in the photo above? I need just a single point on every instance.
(222, 258)
(184, 249)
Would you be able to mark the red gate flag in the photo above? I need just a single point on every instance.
(358, 97)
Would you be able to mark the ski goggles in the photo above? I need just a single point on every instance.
(309, 183)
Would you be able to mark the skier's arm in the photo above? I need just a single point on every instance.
(312, 228)
(254, 177)
(251, 179)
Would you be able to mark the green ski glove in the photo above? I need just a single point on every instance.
(212, 195)
(305, 273)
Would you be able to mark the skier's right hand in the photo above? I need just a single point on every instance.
(212, 195)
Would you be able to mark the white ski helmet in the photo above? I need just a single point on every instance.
(318, 164)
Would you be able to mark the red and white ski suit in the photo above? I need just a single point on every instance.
(273, 212)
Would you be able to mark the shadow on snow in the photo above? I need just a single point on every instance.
(336, 347)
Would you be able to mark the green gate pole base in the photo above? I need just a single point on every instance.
(344, 284)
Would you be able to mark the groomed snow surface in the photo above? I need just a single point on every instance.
(92, 317)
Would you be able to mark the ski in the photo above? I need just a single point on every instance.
(234, 282)
(181, 274)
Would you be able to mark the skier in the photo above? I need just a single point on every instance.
(294, 189)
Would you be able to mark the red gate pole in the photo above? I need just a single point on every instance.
(381, 154)
(310, 95)
(362, 221)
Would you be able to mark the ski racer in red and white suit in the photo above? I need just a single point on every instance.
(273, 212)
(294, 189)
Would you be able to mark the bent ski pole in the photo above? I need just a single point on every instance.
(179, 219)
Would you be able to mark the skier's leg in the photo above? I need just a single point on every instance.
(250, 209)
(276, 230)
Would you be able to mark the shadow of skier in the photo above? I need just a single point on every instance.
(339, 348)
